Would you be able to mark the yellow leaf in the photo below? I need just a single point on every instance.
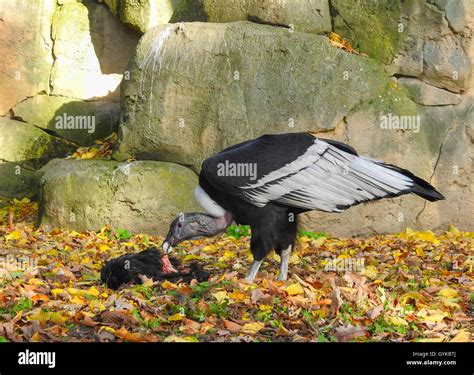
(344, 256)
(190, 257)
(253, 327)
(75, 292)
(370, 272)
(36, 337)
(453, 305)
(220, 296)
(168, 285)
(229, 254)
(35, 281)
(448, 293)
(453, 229)
(398, 321)
(174, 338)
(294, 289)
(176, 317)
(67, 248)
(16, 234)
(96, 306)
(433, 339)
(78, 300)
(56, 291)
(282, 331)
(238, 296)
(210, 249)
(93, 291)
(419, 251)
(58, 318)
(107, 328)
(405, 298)
(462, 336)
(104, 248)
(436, 318)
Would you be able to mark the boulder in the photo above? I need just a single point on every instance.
(91, 49)
(439, 151)
(197, 88)
(425, 94)
(141, 196)
(311, 16)
(25, 25)
(79, 121)
(142, 15)
(24, 148)
(429, 40)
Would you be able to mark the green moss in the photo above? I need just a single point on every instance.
(370, 26)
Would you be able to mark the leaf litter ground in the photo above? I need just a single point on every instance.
(413, 286)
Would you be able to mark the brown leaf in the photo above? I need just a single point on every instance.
(349, 333)
(232, 327)
(120, 317)
(257, 295)
(375, 312)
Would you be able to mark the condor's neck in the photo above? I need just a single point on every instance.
(214, 225)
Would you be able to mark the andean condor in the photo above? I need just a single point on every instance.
(267, 182)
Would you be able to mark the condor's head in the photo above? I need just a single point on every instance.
(191, 226)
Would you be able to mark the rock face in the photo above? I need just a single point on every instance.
(24, 148)
(142, 15)
(142, 196)
(21, 29)
(91, 50)
(425, 94)
(311, 16)
(78, 121)
(439, 151)
(197, 89)
(431, 40)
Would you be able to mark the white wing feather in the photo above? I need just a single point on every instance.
(328, 179)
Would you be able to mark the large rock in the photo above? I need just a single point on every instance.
(439, 151)
(79, 121)
(91, 49)
(141, 196)
(425, 94)
(142, 15)
(26, 49)
(310, 16)
(24, 148)
(197, 88)
(430, 40)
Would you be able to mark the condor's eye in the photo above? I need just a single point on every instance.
(180, 224)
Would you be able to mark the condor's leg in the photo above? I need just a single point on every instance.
(253, 270)
(285, 258)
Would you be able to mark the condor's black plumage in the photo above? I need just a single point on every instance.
(267, 182)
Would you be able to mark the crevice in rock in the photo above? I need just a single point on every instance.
(260, 21)
(20, 163)
(51, 133)
(333, 13)
(438, 158)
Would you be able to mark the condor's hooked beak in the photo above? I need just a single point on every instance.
(169, 243)
(167, 246)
